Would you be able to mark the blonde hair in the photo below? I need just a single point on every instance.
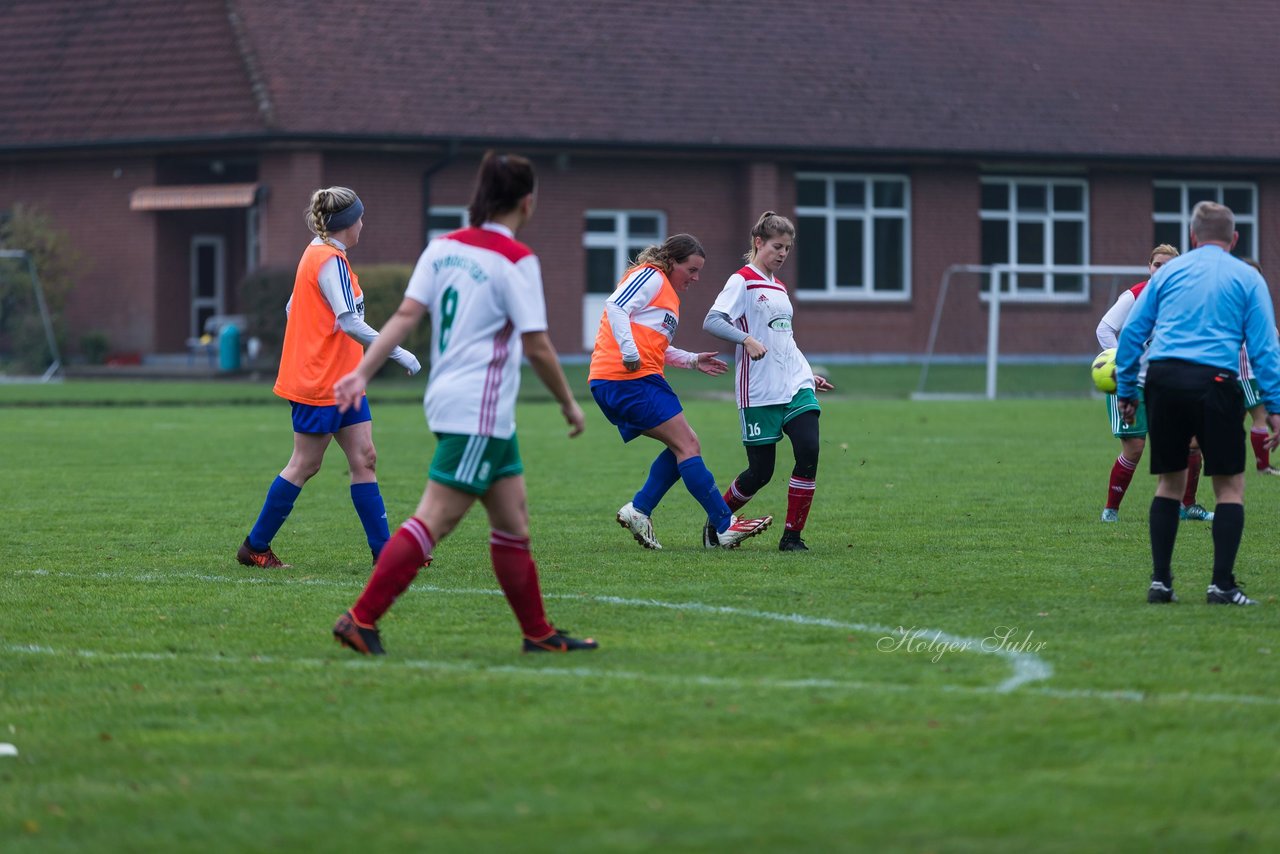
(1163, 249)
(324, 203)
(770, 224)
(673, 250)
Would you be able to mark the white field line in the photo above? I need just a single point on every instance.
(1026, 668)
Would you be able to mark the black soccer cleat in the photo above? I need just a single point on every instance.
(710, 539)
(363, 639)
(1160, 593)
(791, 542)
(1231, 596)
(558, 641)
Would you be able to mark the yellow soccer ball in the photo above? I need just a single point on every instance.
(1104, 371)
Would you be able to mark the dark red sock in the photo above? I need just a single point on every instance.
(1121, 475)
(518, 576)
(1258, 438)
(735, 499)
(1193, 479)
(799, 500)
(404, 554)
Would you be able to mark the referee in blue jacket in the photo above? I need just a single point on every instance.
(1197, 310)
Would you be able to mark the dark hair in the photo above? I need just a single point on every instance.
(503, 180)
(674, 250)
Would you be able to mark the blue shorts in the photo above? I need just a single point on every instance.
(327, 419)
(634, 406)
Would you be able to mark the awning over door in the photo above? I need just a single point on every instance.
(196, 197)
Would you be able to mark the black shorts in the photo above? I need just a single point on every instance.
(1185, 399)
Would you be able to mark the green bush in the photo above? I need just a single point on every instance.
(22, 333)
(94, 346)
(264, 293)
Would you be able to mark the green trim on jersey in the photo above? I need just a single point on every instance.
(1252, 395)
(762, 425)
(473, 463)
(1136, 430)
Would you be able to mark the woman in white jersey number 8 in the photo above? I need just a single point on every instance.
(483, 289)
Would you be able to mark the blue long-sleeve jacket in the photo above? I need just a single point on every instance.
(1200, 307)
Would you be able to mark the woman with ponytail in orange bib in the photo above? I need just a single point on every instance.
(632, 349)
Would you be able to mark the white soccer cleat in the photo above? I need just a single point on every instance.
(742, 529)
(640, 525)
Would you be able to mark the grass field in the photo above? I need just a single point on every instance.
(963, 662)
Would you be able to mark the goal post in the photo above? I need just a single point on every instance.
(999, 290)
(22, 260)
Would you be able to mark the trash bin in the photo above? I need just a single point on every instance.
(229, 348)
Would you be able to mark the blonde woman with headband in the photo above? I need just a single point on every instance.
(632, 350)
(775, 385)
(323, 339)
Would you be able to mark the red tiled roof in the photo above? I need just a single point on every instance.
(1016, 78)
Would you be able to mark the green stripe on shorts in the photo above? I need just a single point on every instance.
(473, 463)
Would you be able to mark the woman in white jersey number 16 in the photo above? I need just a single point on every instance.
(483, 290)
(775, 385)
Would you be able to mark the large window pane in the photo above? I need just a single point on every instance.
(995, 241)
(1168, 200)
(851, 194)
(1244, 246)
(601, 224)
(1239, 199)
(1068, 197)
(1068, 242)
(849, 253)
(1033, 197)
(888, 194)
(995, 196)
(1197, 194)
(889, 252)
(811, 194)
(643, 226)
(1168, 232)
(601, 271)
(811, 253)
(1030, 243)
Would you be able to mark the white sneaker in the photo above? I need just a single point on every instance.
(741, 529)
(1269, 470)
(640, 525)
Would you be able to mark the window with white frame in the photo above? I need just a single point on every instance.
(1039, 222)
(444, 219)
(853, 236)
(1174, 200)
(612, 239)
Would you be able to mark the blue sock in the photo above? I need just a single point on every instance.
(663, 475)
(373, 515)
(275, 510)
(702, 486)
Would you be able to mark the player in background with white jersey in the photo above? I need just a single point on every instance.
(775, 385)
(1133, 437)
(322, 341)
(483, 290)
(1257, 409)
(632, 349)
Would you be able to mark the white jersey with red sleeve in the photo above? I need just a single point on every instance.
(483, 289)
(761, 307)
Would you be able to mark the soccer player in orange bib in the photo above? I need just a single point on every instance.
(322, 341)
(775, 385)
(633, 346)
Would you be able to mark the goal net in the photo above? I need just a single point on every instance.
(27, 341)
(1017, 330)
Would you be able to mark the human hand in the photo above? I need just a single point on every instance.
(821, 383)
(754, 349)
(1128, 408)
(1273, 422)
(710, 364)
(632, 365)
(348, 390)
(407, 360)
(573, 416)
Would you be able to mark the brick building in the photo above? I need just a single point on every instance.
(177, 141)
